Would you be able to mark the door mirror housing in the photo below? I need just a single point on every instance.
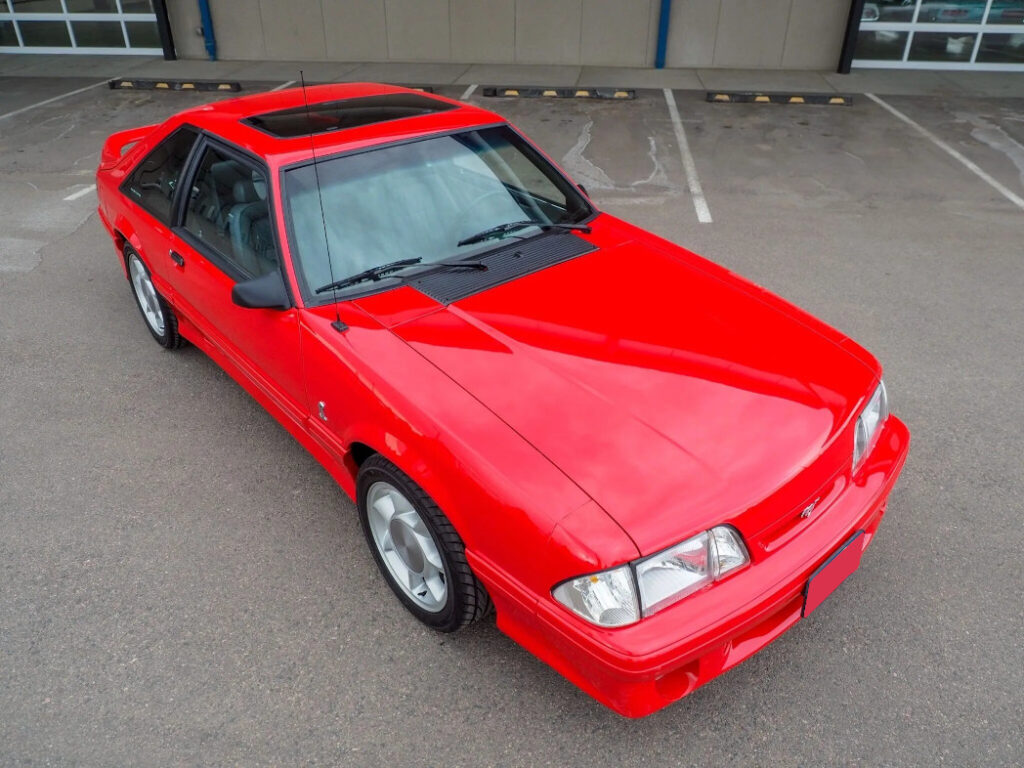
(265, 292)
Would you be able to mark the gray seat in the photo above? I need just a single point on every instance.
(225, 175)
(248, 223)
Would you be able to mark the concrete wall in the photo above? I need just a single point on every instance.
(791, 34)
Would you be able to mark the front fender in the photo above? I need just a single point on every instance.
(503, 497)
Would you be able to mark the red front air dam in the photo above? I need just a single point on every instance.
(832, 573)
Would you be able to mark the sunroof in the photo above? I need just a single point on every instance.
(347, 113)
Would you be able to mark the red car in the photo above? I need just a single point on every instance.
(647, 466)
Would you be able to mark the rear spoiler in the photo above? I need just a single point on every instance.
(119, 143)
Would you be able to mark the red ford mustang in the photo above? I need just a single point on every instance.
(647, 466)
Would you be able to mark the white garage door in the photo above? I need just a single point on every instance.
(78, 26)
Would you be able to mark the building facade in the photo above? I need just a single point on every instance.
(751, 34)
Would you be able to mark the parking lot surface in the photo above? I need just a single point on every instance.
(181, 584)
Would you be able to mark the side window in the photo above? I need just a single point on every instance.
(152, 182)
(228, 211)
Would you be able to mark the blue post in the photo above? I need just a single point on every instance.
(666, 11)
(207, 20)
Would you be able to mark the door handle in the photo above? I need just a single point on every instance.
(177, 259)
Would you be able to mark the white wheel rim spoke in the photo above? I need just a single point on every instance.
(406, 547)
(146, 294)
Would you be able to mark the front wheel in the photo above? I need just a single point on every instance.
(417, 549)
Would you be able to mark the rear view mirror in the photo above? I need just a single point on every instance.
(265, 292)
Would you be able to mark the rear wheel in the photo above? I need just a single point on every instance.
(159, 317)
(417, 549)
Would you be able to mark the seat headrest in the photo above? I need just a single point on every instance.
(226, 173)
(245, 192)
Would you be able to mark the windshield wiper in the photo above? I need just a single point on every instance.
(512, 226)
(373, 273)
(455, 263)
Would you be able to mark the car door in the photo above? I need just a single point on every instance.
(225, 234)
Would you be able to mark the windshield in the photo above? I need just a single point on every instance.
(419, 200)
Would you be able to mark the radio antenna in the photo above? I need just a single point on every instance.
(338, 325)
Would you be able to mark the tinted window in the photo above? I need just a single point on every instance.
(152, 183)
(228, 211)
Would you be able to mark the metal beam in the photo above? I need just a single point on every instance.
(163, 28)
(850, 39)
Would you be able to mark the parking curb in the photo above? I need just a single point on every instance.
(535, 91)
(757, 97)
(125, 83)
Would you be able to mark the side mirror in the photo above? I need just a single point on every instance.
(583, 190)
(265, 292)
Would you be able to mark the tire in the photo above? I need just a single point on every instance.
(156, 312)
(411, 529)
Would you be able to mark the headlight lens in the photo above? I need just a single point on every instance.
(870, 419)
(607, 598)
(678, 571)
(611, 599)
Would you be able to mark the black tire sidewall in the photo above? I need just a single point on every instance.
(450, 617)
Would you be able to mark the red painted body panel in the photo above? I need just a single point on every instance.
(568, 421)
(673, 396)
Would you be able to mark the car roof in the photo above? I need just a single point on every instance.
(227, 119)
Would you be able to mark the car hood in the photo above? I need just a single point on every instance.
(677, 395)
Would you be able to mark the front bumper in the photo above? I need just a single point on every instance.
(641, 668)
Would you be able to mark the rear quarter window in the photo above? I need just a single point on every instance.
(154, 180)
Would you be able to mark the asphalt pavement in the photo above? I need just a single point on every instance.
(181, 584)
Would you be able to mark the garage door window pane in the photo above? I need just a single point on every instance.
(952, 12)
(879, 44)
(98, 34)
(137, 6)
(7, 33)
(1006, 12)
(941, 46)
(888, 10)
(1002, 49)
(142, 34)
(91, 6)
(45, 33)
(37, 6)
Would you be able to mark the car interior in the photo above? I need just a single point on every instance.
(153, 182)
(228, 210)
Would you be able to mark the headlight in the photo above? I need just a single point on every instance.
(678, 571)
(613, 599)
(607, 598)
(874, 413)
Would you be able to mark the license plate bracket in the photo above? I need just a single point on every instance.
(833, 572)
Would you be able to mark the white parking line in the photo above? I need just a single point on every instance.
(80, 193)
(700, 205)
(55, 98)
(282, 86)
(998, 187)
(468, 92)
